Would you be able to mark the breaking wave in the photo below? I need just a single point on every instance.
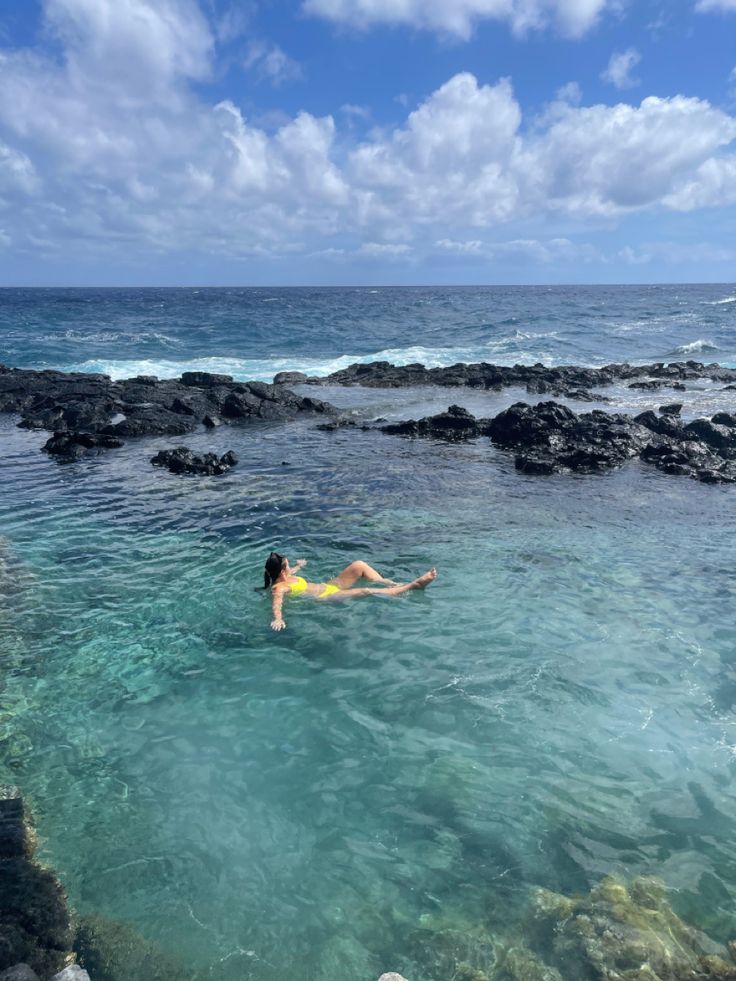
(695, 346)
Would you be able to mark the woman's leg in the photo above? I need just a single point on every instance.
(419, 583)
(359, 570)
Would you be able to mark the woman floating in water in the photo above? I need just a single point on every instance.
(282, 580)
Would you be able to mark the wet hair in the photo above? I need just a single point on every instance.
(274, 564)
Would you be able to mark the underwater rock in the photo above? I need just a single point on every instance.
(21, 972)
(112, 951)
(182, 460)
(391, 976)
(71, 973)
(35, 926)
(622, 933)
(74, 445)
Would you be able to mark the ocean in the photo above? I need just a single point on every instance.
(333, 801)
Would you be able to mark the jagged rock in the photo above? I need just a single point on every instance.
(74, 445)
(183, 460)
(20, 972)
(141, 406)
(620, 933)
(672, 409)
(550, 438)
(560, 379)
(212, 422)
(456, 423)
(718, 437)
(35, 927)
(290, 378)
(72, 973)
(727, 419)
(204, 379)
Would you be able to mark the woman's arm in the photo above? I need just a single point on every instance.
(300, 563)
(277, 599)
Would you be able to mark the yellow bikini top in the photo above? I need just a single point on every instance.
(297, 587)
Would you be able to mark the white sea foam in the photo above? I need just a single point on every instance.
(263, 369)
(694, 346)
(720, 303)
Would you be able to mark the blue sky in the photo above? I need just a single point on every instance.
(367, 141)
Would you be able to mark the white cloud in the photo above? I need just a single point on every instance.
(16, 171)
(724, 6)
(619, 69)
(384, 249)
(572, 18)
(91, 159)
(269, 62)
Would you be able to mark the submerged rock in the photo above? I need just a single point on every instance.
(21, 972)
(35, 928)
(622, 933)
(113, 951)
(183, 460)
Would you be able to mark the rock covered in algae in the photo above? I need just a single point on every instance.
(35, 927)
(113, 951)
(623, 933)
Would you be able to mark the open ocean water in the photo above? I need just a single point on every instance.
(316, 805)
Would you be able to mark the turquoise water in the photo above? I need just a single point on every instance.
(319, 804)
(557, 707)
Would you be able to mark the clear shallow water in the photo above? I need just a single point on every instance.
(557, 707)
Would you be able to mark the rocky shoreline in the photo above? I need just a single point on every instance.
(91, 413)
(619, 931)
(569, 381)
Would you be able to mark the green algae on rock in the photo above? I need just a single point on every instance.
(623, 933)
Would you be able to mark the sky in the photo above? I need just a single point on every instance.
(265, 142)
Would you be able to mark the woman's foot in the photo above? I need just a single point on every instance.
(426, 579)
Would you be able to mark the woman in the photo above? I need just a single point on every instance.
(282, 580)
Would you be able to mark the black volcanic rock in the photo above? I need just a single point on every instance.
(550, 438)
(73, 445)
(559, 380)
(142, 406)
(672, 409)
(455, 424)
(182, 460)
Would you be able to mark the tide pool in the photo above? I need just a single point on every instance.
(557, 707)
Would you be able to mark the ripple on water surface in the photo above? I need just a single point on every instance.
(558, 706)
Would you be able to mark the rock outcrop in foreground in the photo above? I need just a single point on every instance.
(35, 924)
(79, 406)
(550, 438)
(617, 932)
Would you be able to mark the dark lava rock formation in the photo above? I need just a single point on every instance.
(564, 380)
(35, 927)
(551, 438)
(73, 445)
(182, 460)
(77, 404)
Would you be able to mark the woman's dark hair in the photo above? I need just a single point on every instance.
(274, 565)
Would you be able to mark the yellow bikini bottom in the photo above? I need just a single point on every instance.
(329, 590)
